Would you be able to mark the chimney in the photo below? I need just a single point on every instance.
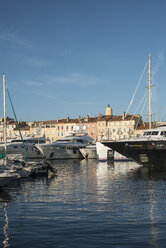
(123, 115)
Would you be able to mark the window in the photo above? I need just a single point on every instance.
(155, 133)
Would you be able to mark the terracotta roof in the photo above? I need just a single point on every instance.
(118, 118)
(145, 125)
(22, 128)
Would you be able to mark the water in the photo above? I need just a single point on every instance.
(89, 204)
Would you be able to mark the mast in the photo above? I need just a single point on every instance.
(4, 105)
(150, 89)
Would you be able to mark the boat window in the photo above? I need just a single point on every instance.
(155, 133)
(14, 141)
(147, 133)
(163, 133)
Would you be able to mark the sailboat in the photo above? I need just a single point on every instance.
(6, 175)
(18, 167)
(148, 150)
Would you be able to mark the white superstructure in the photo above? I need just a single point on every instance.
(15, 146)
(66, 148)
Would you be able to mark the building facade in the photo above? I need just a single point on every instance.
(108, 126)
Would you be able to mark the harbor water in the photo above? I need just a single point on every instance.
(88, 204)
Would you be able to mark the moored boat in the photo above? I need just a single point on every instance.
(148, 150)
(15, 146)
(6, 176)
(66, 148)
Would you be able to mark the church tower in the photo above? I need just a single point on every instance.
(108, 110)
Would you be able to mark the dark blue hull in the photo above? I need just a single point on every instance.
(150, 154)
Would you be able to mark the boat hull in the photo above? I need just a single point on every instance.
(57, 152)
(120, 158)
(6, 177)
(104, 153)
(4, 181)
(31, 151)
(150, 154)
(89, 153)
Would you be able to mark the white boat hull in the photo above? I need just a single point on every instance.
(32, 151)
(57, 152)
(89, 152)
(103, 152)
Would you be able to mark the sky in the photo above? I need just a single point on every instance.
(70, 58)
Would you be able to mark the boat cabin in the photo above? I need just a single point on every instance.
(158, 132)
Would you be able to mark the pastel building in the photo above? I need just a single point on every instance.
(108, 126)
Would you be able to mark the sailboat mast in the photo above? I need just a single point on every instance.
(150, 88)
(4, 105)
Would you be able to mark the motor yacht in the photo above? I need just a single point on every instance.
(66, 148)
(148, 150)
(16, 146)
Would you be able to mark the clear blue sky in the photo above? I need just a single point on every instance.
(72, 57)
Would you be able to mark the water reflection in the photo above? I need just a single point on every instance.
(5, 227)
(4, 199)
(89, 204)
(152, 201)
